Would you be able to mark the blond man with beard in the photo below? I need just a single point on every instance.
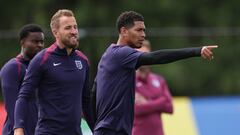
(60, 73)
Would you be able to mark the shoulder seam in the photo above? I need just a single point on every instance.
(80, 54)
(47, 52)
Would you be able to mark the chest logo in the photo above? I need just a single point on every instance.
(156, 83)
(78, 64)
(139, 84)
(56, 64)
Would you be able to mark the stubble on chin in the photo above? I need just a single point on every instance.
(71, 45)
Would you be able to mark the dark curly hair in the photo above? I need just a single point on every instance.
(127, 19)
(26, 29)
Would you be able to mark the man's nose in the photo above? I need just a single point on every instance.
(74, 31)
(143, 34)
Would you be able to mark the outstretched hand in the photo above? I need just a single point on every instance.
(207, 53)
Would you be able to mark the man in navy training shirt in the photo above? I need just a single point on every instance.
(60, 73)
(115, 80)
(31, 40)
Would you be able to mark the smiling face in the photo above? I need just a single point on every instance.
(67, 32)
(135, 35)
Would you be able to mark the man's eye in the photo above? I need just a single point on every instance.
(67, 28)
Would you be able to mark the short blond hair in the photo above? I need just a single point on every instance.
(55, 18)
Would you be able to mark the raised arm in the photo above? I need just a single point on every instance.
(171, 55)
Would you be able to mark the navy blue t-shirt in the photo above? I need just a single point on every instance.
(115, 88)
(62, 82)
(12, 75)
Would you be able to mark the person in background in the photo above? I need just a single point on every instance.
(31, 38)
(60, 72)
(152, 98)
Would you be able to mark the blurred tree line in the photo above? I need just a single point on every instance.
(170, 24)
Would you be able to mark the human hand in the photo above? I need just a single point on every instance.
(18, 131)
(207, 53)
(139, 99)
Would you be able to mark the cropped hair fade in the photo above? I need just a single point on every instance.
(127, 19)
(26, 29)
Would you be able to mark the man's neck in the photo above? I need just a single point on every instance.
(62, 46)
(121, 41)
(25, 57)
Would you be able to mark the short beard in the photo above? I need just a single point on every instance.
(134, 46)
(69, 45)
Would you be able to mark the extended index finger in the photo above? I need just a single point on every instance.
(212, 46)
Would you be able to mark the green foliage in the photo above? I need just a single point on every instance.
(188, 77)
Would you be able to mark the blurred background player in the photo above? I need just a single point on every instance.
(152, 98)
(31, 39)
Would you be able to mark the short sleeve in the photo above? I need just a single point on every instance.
(128, 57)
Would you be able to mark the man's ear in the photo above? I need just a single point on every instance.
(22, 42)
(54, 31)
(124, 31)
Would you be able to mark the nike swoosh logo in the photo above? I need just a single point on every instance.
(56, 64)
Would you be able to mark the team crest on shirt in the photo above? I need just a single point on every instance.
(78, 64)
(156, 83)
(139, 84)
